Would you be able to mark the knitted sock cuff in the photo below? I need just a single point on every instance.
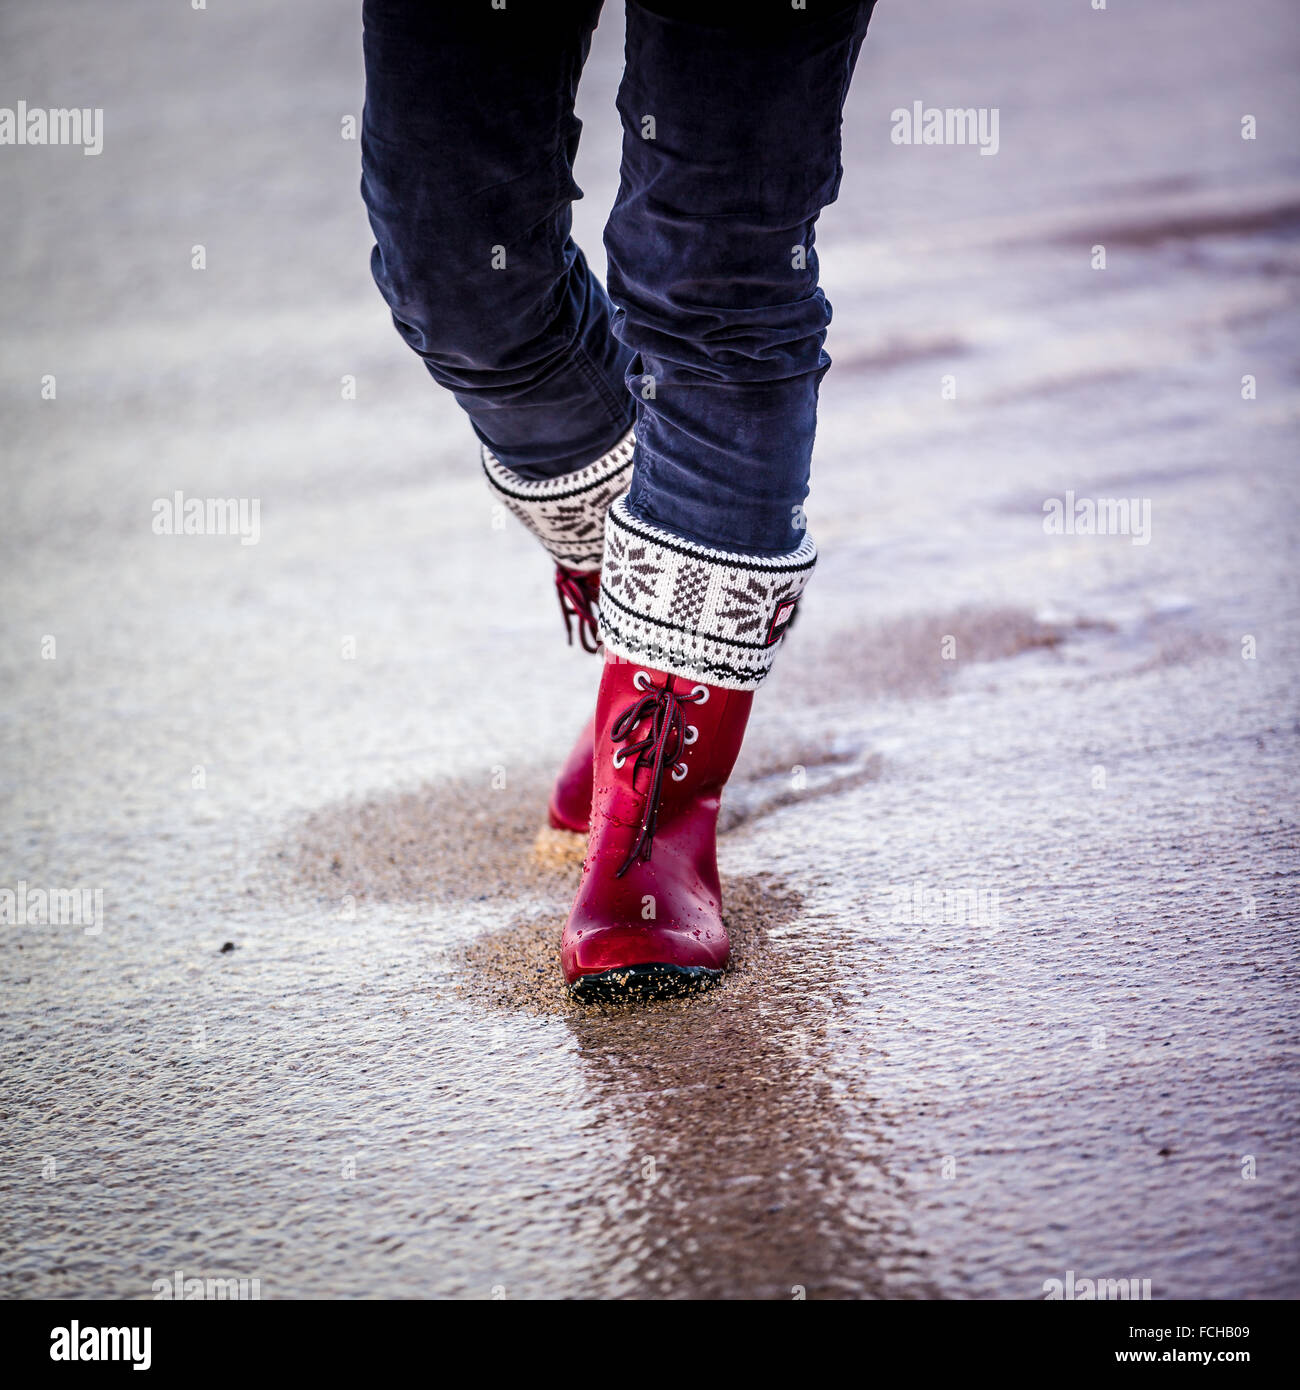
(703, 614)
(567, 514)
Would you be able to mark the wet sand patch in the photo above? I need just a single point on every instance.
(906, 655)
(514, 968)
(1196, 218)
(786, 783)
(462, 841)
(458, 840)
(452, 840)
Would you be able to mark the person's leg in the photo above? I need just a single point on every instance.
(730, 151)
(467, 145)
(468, 141)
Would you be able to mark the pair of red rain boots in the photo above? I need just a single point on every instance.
(688, 634)
(644, 780)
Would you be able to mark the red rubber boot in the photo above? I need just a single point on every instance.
(648, 915)
(570, 805)
(567, 515)
(568, 813)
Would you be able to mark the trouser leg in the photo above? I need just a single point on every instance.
(731, 149)
(468, 140)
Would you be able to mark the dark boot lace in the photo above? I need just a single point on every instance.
(658, 751)
(578, 593)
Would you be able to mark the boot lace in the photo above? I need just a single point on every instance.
(577, 593)
(658, 751)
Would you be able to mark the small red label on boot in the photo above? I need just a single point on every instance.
(781, 620)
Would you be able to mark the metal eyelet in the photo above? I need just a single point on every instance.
(691, 734)
(680, 771)
(701, 693)
(636, 680)
(620, 757)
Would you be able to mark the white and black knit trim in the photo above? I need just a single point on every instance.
(700, 613)
(567, 514)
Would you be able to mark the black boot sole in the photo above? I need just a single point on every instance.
(634, 982)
